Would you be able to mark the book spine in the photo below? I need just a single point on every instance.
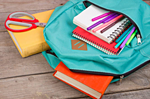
(75, 87)
(107, 51)
(30, 50)
(116, 32)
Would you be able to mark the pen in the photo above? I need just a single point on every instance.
(106, 24)
(124, 33)
(101, 21)
(124, 37)
(132, 36)
(124, 42)
(111, 25)
(101, 16)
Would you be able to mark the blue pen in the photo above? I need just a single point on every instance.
(124, 34)
(118, 44)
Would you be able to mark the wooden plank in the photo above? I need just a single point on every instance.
(138, 80)
(12, 64)
(139, 94)
(36, 87)
(26, 5)
(45, 86)
(147, 1)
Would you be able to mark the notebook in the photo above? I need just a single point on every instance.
(83, 20)
(31, 42)
(95, 41)
(92, 85)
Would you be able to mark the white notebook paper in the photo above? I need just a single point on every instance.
(83, 20)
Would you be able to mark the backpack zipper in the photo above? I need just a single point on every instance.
(120, 81)
(138, 38)
(116, 76)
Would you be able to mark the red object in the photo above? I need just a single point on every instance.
(95, 40)
(97, 82)
(28, 21)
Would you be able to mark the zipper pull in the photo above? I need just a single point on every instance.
(138, 38)
(121, 78)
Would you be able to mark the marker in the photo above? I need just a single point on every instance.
(101, 21)
(106, 24)
(124, 33)
(131, 38)
(111, 25)
(118, 44)
(124, 42)
(101, 16)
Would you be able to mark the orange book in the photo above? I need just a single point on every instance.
(92, 85)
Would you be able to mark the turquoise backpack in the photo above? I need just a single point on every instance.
(58, 35)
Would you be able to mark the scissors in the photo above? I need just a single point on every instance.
(30, 23)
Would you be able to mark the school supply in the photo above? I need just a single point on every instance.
(105, 20)
(124, 33)
(132, 36)
(58, 35)
(95, 41)
(29, 23)
(92, 85)
(101, 16)
(108, 23)
(122, 40)
(32, 41)
(83, 22)
(127, 38)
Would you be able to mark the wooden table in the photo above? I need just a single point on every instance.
(31, 77)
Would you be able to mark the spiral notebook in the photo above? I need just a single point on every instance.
(83, 20)
(96, 42)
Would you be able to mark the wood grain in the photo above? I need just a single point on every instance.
(36, 87)
(139, 94)
(45, 86)
(26, 5)
(31, 77)
(136, 81)
(12, 64)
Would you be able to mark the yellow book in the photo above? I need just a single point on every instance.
(32, 41)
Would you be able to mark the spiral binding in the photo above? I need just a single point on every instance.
(119, 29)
(98, 46)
